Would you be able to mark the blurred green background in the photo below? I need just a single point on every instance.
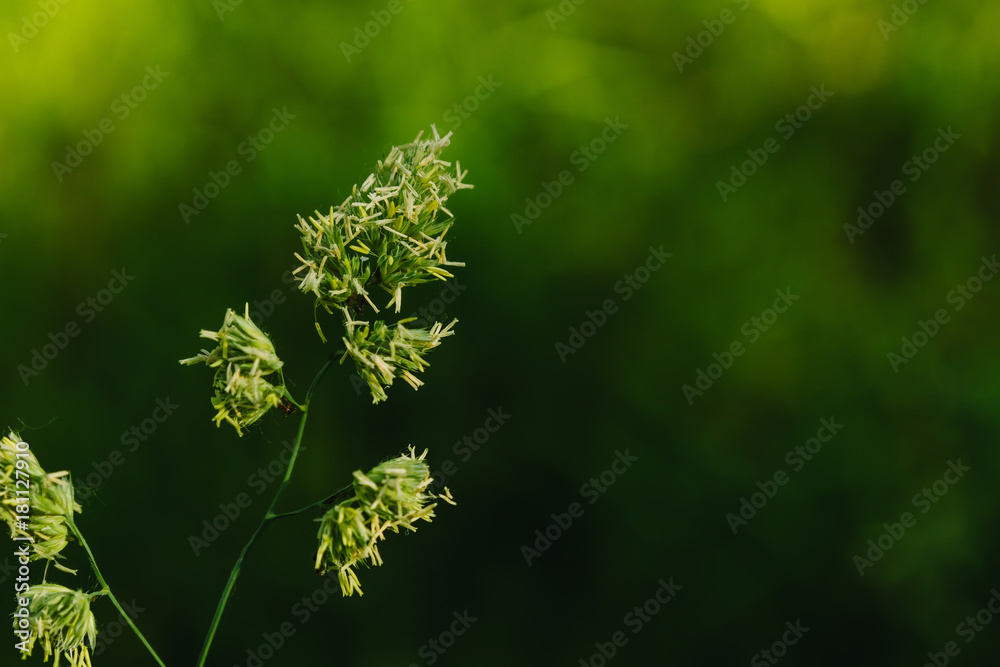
(557, 74)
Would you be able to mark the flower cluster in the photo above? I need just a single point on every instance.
(58, 618)
(48, 504)
(388, 234)
(381, 354)
(61, 621)
(390, 496)
(243, 358)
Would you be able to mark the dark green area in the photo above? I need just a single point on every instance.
(525, 289)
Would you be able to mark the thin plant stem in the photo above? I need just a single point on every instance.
(321, 503)
(106, 590)
(269, 516)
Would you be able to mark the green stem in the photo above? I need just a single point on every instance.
(287, 394)
(106, 590)
(269, 516)
(321, 503)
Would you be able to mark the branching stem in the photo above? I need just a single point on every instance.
(269, 516)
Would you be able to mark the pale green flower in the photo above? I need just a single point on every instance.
(243, 358)
(389, 233)
(392, 495)
(345, 539)
(47, 506)
(381, 353)
(61, 621)
(395, 490)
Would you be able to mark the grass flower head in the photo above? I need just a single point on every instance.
(48, 504)
(389, 233)
(61, 621)
(243, 358)
(390, 496)
(382, 354)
